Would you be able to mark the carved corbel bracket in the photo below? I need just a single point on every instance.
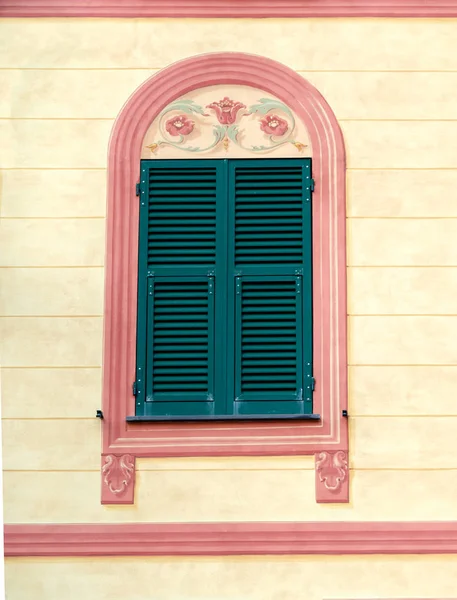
(332, 476)
(118, 478)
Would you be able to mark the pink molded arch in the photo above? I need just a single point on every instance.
(330, 353)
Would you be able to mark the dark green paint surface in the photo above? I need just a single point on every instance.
(224, 288)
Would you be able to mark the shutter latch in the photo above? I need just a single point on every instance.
(311, 185)
(134, 388)
(137, 189)
(313, 384)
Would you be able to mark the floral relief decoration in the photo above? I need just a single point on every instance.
(184, 118)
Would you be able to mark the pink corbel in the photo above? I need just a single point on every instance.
(332, 476)
(118, 478)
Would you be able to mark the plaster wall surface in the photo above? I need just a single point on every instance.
(226, 578)
(391, 84)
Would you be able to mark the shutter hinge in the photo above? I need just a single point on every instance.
(238, 285)
(134, 388)
(311, 185)
(137, 189)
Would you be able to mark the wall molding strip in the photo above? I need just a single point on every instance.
(205, 539)
(228, 8)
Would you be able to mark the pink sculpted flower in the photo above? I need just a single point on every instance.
(226, 110)
(274, 125)
(179, 125)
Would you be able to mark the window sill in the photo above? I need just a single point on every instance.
(149, 419)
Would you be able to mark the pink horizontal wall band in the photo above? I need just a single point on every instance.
(231, 538)
(228, 8)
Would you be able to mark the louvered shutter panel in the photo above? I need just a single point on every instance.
(224, 288)
(270, 216)
(179, 224)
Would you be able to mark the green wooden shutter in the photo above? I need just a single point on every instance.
(224, 288)
(179, 236)
(270, 217)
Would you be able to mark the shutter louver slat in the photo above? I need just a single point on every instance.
(258, 328)
(179, 324)
(267, 201)
(182, 217)
(269, 345)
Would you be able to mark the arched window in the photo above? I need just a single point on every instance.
(147, 275)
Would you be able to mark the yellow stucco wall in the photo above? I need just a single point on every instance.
(392, 84)
(233, 578)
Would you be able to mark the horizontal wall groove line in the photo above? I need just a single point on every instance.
(51, 218)
(5, 470)
(61, 316)
(221, 469)
(402, 365)
(340, 120)
(374, 71)
(404, 469)
(393, 366)
(51, 266)
(53, 169)
(66, 69)
(97, 218)
(51, 316)
(439, 315)
(226, 468)
(58, 118)
(348, 218)
(403, 266)
(81, 316)
(3, 367)
(351, 415)
(411, 218)
(350, 365)
(301, 71)
(83, 268)
(51, 367)
(412, 416)
(389, 169)
(88, 418)
(407, 120)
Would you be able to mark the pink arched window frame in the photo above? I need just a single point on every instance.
(327, 439)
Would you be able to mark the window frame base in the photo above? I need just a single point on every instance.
(184, 419)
